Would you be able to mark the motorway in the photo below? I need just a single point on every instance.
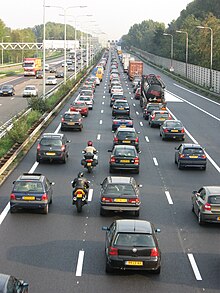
(64, 251)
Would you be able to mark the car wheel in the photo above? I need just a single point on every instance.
(102, 212)
(151, 125)
(200, 221)
(163, 138)
(137, 213)
(193, 210)
(204, 168)
(179, 165)
(137, 171)
(80, 129)
(51, 200)
(108, 268)
(157, 271)
(182, 138)
(64, 160)
(111, 170)
(61, 128)
(38, 159)
(12, 210)
(160, 134)
(45, 210)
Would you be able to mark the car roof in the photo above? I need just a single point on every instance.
(160, 112)
(134, 226)
(130, 129)
(72, 112)
(123, 101)
(213, 189)
(123, 146)
(119, 179)
(3, 280)
(52, 135)
(191, 145)
(32, 177)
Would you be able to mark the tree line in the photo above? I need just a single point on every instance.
(149, 35)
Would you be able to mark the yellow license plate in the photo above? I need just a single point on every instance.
(28, 197)
(120, 200)
(71, 123)
(121, 108)
(122, 125)
(134, 263)
(126, 141)
(50, 154)
(89, 164)
(193, 157)
(79, 195)
(161, 119)
(124, 161)
(174, 130)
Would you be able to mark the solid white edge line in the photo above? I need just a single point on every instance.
(4, 212)
(90, 193)
(58, 129)
(147, 139)
(170, 201)
(155, 161)
(33, 168)
(80, 263)
(100, 122)
(194, 267)
(141, 123)
(98, 136)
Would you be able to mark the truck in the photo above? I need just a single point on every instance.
(125, 61)
(152, 90)
(135, 69)
(31, 66)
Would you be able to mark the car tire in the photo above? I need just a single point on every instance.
(193, 210)
(160, 134)
(204, 168)
(179, 165)
(64, 160)
(102, 212)
(200, 221)
(45, 210)
(12, 210)
(38, 159)
(108, 268)
(136, 171)
(137, 213)
(111, 170)
(163, 138)
(157, 271)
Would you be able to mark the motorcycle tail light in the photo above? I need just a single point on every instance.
(89, 161)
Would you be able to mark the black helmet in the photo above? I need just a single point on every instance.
(80, 174)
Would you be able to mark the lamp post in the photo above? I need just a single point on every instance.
(3, 49)
(187, 49)
(171, 51)
(211, 50)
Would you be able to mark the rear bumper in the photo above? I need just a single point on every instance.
(212, 218)
(124, 166)
(121, 208)
(193, 163)
(66, 126)
(27, 205)
(173, 135)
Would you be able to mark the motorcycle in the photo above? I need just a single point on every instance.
(89, 161)
(79, 199)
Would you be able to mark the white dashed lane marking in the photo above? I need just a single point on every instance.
(170, 201)
(194, 267)
(137, 112)
(80, 263)
(102, 111)
(155, 162)
(147, 139)
(100, 122)
(98, 136)
(141, 124)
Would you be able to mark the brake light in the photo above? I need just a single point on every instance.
(63, 148)
(165, 130)
(203, 156)
(134, 200)
(183, 130)
(106, 199)
(115, 139)
(154, 252)
(44, 197)
(136, 161)
(38, 147)
(112, 160)
(129, 122)
(113, 251)
(207, 207)
(115, 122)
(89, 161)
(136, 139)
(182, 156)
(12, 196)
(62, 119)
(153, 117)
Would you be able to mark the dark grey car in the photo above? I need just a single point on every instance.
(172, 129)
(206, 204)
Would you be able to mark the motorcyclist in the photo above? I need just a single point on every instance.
(91, 149)
(80, 182)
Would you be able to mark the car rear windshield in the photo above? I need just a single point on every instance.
(72, 116)
(120, 189)
(214, 199)
(121, 104)
(126, 134)
(190, 151)
(173, 124)
(162, 115)
(153, 108)
(125, 152)
(50, 142)
(134, 239)
(26, 186)
(84, 98)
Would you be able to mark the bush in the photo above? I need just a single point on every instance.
(38, 104)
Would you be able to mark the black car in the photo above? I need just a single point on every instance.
(120, 107)
(132, 245)
(206, 204)
(119, 194)
(10, 284)
(172, 129)
(7, 90)
(31, 191)
(116, 97)
(52, 147)
(71, 120)
(59, 74)
(126, 136)
(149, 108)
(190, 155)
(124, 157)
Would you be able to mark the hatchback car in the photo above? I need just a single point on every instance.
(51, 80)
(31, 191)
(52, 147)
(119, 194)
(149, 108)
(172, 129)
(120, 107)
(124, 157)
(39, 74)
(132, 245)
(190, 155)
(30, 91)
(206, 204)
(117, 97)
(10, 284)
(7, 90)
(121, 121)
(88, 100)
(59, 74)
(116, 89)
(71, 120)
(126, 136)
(158, 117)
(80, 107)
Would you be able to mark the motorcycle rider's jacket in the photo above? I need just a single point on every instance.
(80, 183)
(90, 149)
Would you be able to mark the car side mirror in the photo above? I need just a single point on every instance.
(140, 185)
(13, 182)
(104, 228)
(52, 183)
(194, 192)
(139, 152)
(68, 141)
(109, 151)
(157, 230)
(176, 148)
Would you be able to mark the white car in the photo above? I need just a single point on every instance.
(116, 89)
(97, 81)
(87, 100)
(30, 91)
(51, 80)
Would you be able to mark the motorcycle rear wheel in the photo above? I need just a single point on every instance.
(79, 206)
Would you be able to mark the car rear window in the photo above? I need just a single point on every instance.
(214, 199)
(72, 116)
(28, 186)
(125, 152)
(153, 108)
(160, 115)
(126, 134)
(174, 124)
(120, 189)
(51, 142)
(190, 151)
(134, 239)
(121, 104)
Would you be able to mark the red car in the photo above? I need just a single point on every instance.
(137, 93)
(80, 107)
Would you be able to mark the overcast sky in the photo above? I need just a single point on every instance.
(113, 17)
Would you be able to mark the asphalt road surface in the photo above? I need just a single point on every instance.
(64, 251)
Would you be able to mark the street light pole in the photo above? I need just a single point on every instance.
(3, 49)
(171, 51)
(187, 49)
(44, 52)
(211, 51)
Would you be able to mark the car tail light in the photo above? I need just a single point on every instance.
(136, 161)
(113, 251)
(154, 252)
(112, 160)
(136, 139)
(183, 130)
(44, 197)
(207, 207)
(62, 120)
(165, 130)
(38, 147)
(114, 122)
(203, 156)
(130, 123)
(134, 200)
(63, 148)
(153, 117)
(115, 139)
(12, 196)
(182, 156)
(106, 199)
